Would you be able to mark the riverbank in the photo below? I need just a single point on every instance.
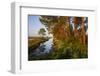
(34, 42)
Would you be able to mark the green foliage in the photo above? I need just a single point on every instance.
(71, 50)
(49, 20)
(42, 31)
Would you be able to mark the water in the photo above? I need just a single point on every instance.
(44, 48)
(48, 45)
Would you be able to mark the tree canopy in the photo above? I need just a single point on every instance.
(42, 32)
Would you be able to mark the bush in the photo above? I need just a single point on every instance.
(71, 49)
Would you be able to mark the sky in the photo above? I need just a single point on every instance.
(34, 25)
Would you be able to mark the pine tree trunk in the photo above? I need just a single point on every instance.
(83, 31)
(75, 26)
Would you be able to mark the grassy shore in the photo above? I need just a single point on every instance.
(34, 42)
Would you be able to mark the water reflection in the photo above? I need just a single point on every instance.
(44, 48)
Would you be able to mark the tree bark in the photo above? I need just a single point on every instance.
(83, 31)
